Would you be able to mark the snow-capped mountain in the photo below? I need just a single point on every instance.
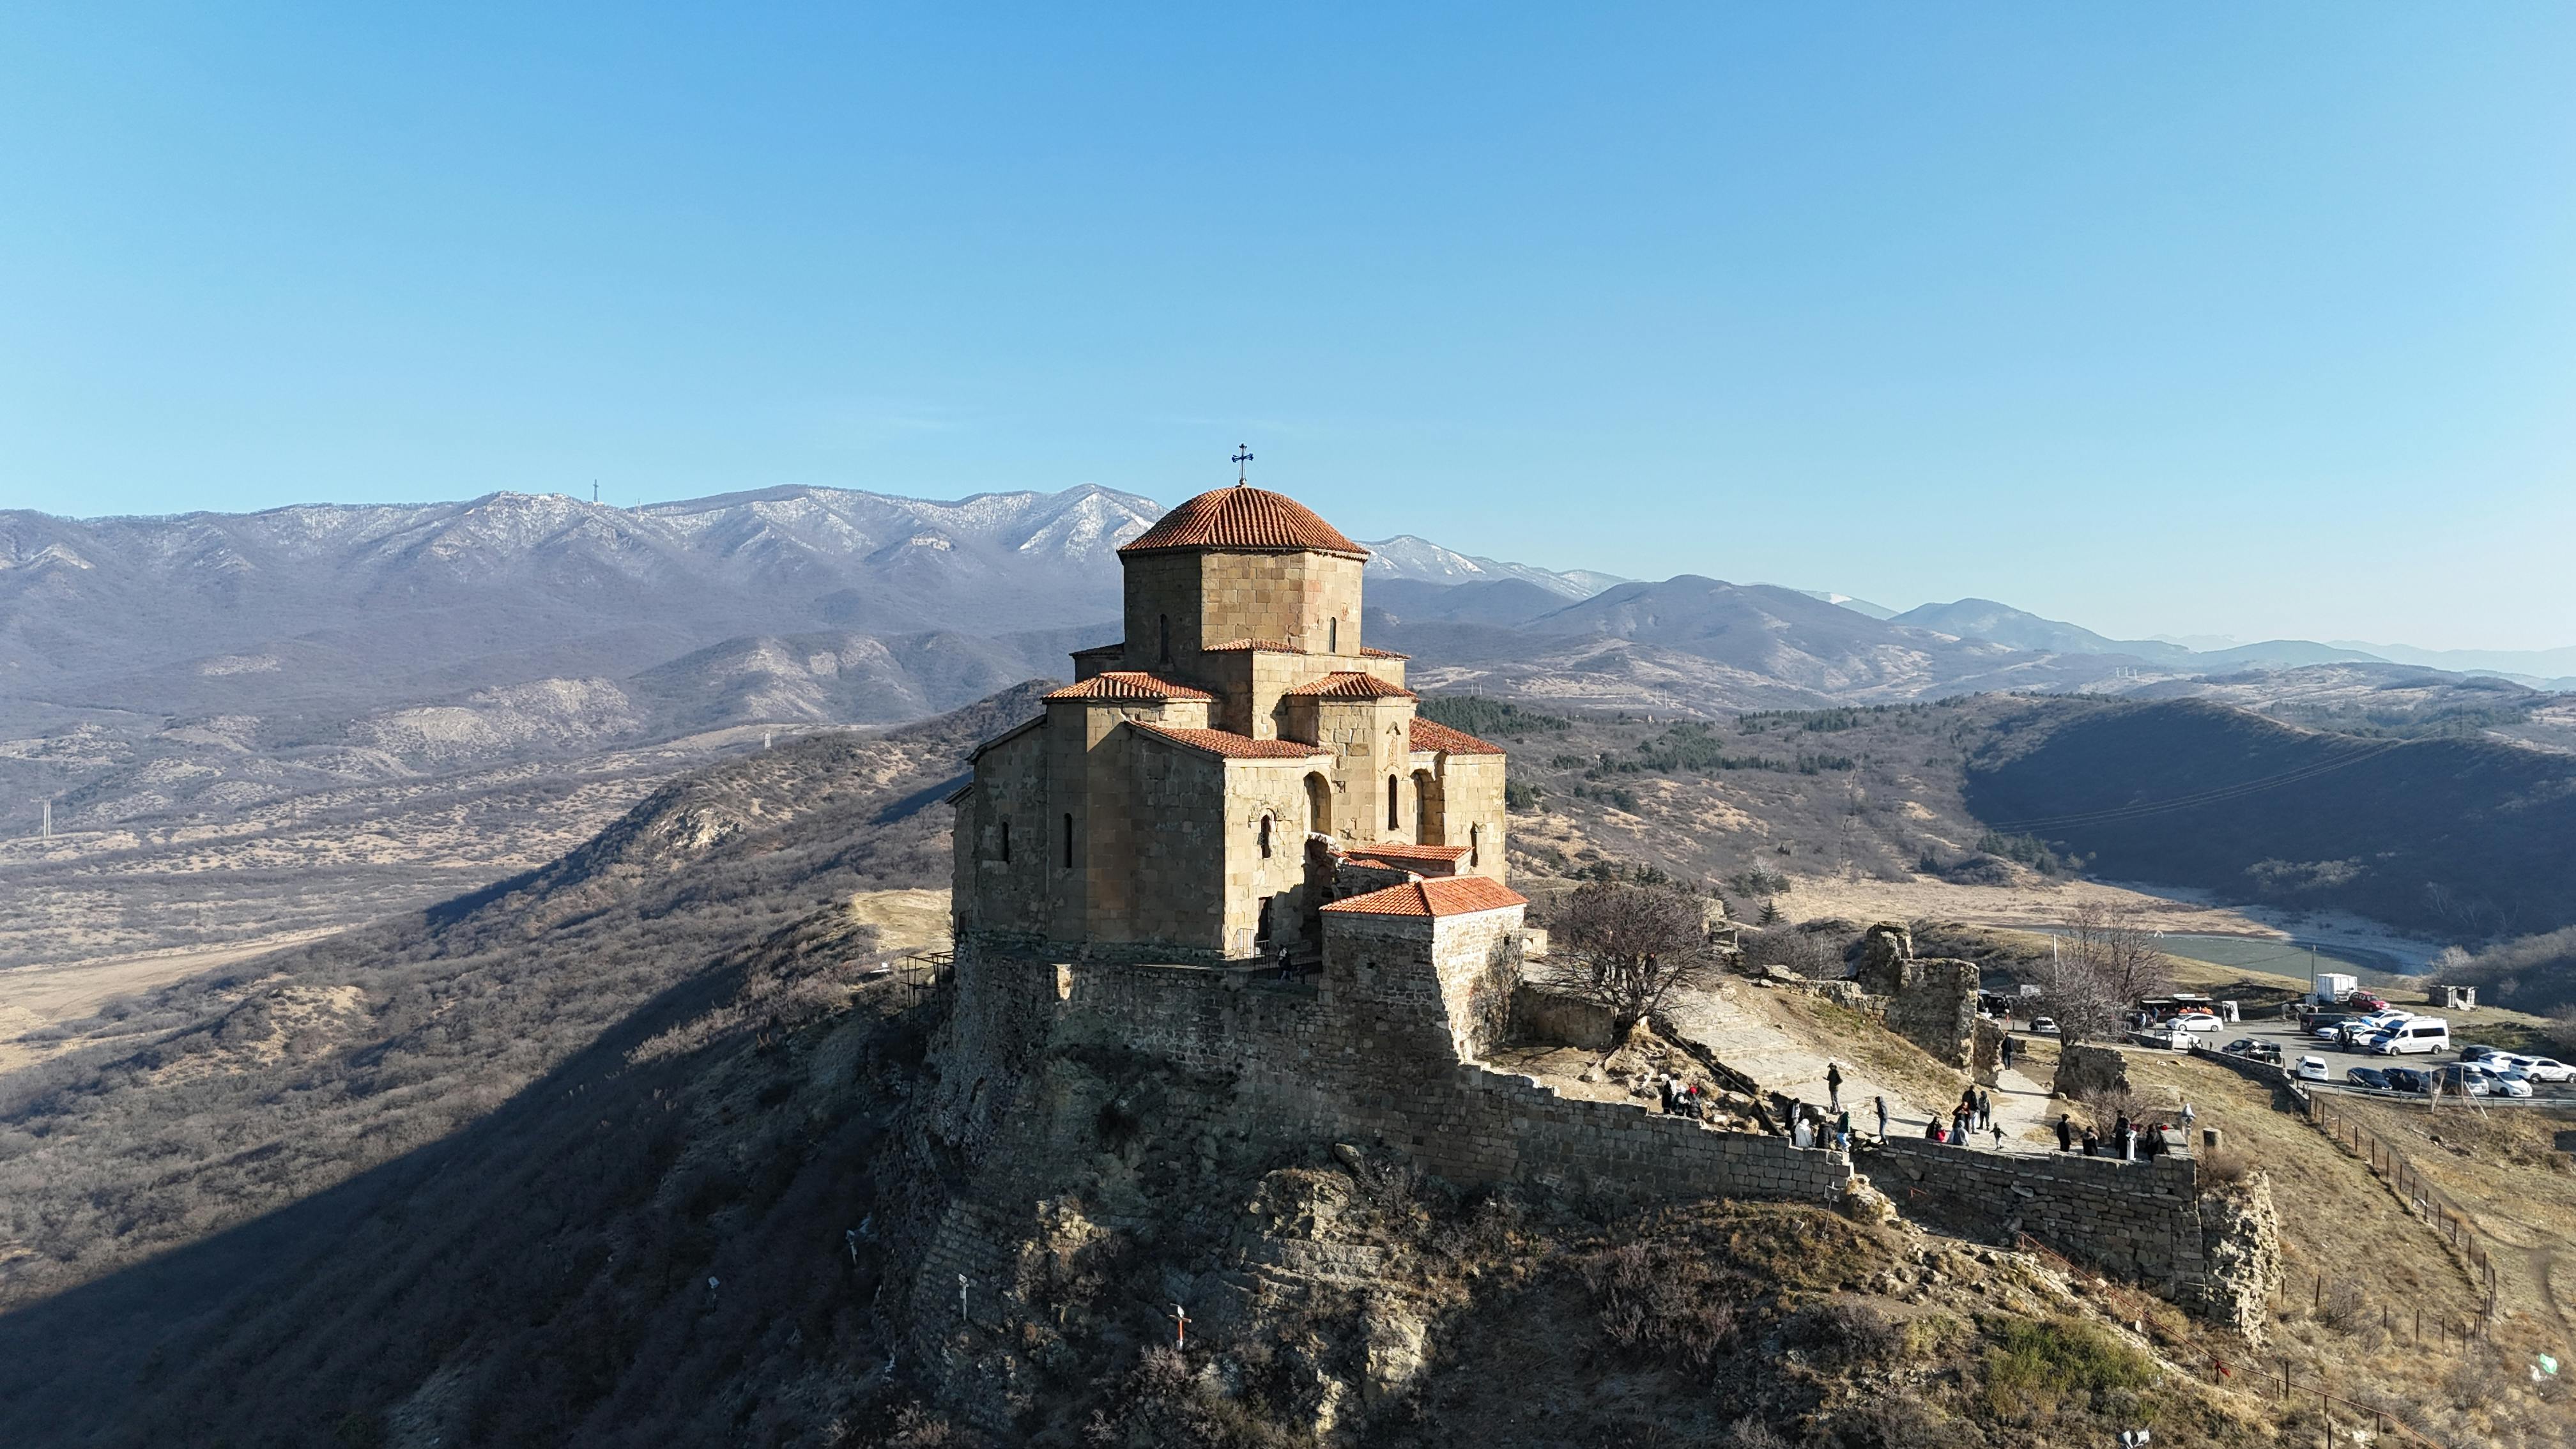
(1407, 557)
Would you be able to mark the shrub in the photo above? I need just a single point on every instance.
(1844, 1331)
(2034, 1367)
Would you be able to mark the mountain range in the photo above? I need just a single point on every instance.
(173, 663)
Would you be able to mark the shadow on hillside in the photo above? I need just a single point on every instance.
(531, 1238)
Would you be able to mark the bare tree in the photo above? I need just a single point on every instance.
(1632, 944)
(2114, 943)
(2081, 999)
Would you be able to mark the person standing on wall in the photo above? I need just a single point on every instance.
(1882, 1117)
(2065, 1132)
(1833, 1086)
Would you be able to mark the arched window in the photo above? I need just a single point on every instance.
(1068, 841)
(1428, 827)
(1163, 637)
(1332, 636)
(1394, 804)
(1473, 844)
(1319, 805)
(1265, 837)
(1006, 840)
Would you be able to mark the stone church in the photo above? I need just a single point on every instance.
(1239, 762)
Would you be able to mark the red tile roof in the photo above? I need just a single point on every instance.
(1245, 518)
(1368, 653)
(1346, 684)
(1456, 896)
(1243, 646)
(1229, 744)
(1128, 684)
(1120, 647)
(1399, 850)
(1432, 735)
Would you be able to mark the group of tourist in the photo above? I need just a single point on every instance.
(1974, 1113)
(2128, 1141)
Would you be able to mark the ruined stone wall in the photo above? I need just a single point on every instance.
(2136, 1219)
(2082, 1070)
(1935, 1007)
(1547, 1018)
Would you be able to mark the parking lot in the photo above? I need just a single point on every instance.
(2294, 1044)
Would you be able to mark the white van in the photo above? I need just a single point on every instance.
(2413, 1035)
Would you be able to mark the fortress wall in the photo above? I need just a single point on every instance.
(1347, 1064)
(2137, 1219)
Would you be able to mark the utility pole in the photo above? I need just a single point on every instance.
(49, 820)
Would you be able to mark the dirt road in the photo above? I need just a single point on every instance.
(32, 997)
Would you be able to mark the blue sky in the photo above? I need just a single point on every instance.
(2195, 319)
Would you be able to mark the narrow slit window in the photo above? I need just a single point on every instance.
(1068, 842)
(1473, 844)
(1393, 802)
(1163, 638)
(1332, 636)
(1006, 840)
(1265, 837)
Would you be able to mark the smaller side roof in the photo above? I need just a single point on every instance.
(1252, 646)
(1457, 895)
(1368, 653)
(1005, 737)
(1439, 738)
(1346, 684)
(1114, 647)
(1127, 684)
(1229, 744)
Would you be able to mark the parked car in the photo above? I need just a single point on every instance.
(2407, 1079)
(2375, 1080)
(2359, 1033)
(2508, 1084)
(2480, 1052)
(2464, 1079)
(2415, 1035)
(2242, 1046)
(2547, 1069)
(2043, 1026)
(2367, 1001)
(2312, 1069)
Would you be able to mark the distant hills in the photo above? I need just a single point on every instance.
(171, 664)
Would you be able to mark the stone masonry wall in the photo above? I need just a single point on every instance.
(1341, 1063)
(2137, 1219)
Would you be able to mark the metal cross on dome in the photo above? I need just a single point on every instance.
(1242, 456)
